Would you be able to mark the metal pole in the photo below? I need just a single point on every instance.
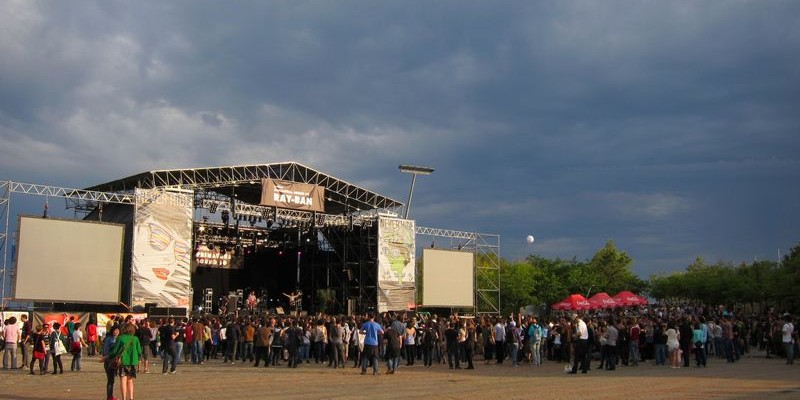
(410, 193)
(4, 243)
(298, 258)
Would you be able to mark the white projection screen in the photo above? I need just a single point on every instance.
(448, 278)
(68, 261)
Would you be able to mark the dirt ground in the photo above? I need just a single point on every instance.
(754, 377)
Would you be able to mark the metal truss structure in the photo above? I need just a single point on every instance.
(5, 198)
(342, 197)
(349, 223)
(487, 264)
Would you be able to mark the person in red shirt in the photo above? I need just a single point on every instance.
(634, 334)
(91, 337)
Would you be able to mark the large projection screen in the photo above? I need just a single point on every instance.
(68, 261)
(448, 278)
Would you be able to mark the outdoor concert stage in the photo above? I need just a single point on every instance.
(201, 239)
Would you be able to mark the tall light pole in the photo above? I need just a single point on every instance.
(414, 171)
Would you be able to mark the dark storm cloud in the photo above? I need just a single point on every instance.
(669, 127)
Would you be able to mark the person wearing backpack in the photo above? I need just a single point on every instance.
(535, 334)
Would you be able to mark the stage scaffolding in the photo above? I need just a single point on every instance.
(349, 224)
(487, 263)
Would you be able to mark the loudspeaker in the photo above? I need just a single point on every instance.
(167, 312)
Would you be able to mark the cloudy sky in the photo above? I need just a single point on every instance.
(671, 127)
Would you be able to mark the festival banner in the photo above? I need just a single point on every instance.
(104, 319)
(40, 318)
(216, 258)
(292, 195)
(162, 249)
(396, 264)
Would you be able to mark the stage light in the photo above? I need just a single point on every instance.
(414, 171)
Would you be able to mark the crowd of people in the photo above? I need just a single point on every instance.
(623, 337)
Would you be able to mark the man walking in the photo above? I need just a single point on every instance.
(371, 332)
(581, 345)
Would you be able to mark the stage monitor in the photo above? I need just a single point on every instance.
(68, 261)
(448, 278)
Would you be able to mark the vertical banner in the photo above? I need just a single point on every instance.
(162, 248)
(396, 264)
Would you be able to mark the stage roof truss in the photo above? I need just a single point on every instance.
(244, 182)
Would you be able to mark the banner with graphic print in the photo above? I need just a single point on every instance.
(396, 264)
(162, 249)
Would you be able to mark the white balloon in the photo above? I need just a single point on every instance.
(530, 239)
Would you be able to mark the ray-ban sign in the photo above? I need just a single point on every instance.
(292, 195)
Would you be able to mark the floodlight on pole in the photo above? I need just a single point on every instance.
(414, 171)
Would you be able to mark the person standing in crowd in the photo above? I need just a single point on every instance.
(143, 333)
(127, 345)
(581, 336)
(58, 366)
(24, 338)
(487, 331)
(634, 337)
(788, 339)
(611, 335)
(451, 346)
(180, 340)
(198, 339)
(428, 342)
(393, 346)
(336, 341)
(232, 333)
(468, 345)
(673, 345)
(248, 334)
(91, 337)
(37, 338)
(11, 338)
(685, 339)
(514, 340)
(262, 339)
(292, 343)
(276, 349)
(660, 343)
(409, 342)
(372, 330)
(698, 339)
(167, 337)
(77, 347)
(535, 339)
(111, 371)
(499, 335)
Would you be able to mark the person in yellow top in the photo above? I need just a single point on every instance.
(129, 347)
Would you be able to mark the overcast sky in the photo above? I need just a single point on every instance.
(670, 127)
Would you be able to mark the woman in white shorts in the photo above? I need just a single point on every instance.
(673, 346)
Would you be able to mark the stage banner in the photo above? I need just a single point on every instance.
(396, 264)
(62, 318)
(104, 319)
(292, 195)
(162, 249)
(216, 258)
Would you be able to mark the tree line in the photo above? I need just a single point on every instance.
(760, 285)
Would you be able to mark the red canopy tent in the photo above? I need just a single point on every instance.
(573, 302)
(602, 300)
(626, 298)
